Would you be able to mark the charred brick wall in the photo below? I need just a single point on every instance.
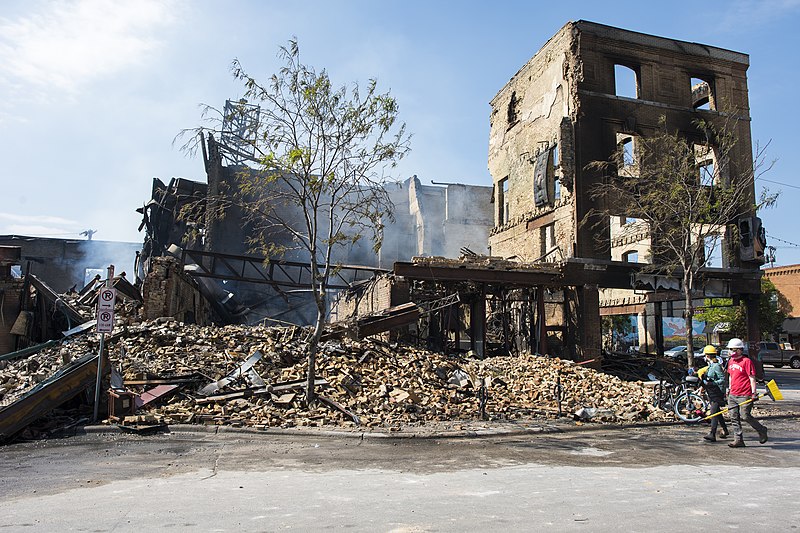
(168, 292)
(62, 263)
(564, 101)
(383, 292)
(10, 290)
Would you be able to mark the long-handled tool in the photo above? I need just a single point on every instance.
(772, 391)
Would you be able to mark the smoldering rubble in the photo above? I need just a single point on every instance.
(255, 376)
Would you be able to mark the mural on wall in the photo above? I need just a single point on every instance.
(674, 329)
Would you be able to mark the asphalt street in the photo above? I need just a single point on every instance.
(556, 476)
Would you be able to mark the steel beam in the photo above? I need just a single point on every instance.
(293, 274)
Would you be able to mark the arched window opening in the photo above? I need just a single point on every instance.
(702, 94)
(626, 147)
(631, 256)
(626, 82)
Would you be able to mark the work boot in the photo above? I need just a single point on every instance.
(710, 437)
(738, 442)
(762, 437)
(724, 434)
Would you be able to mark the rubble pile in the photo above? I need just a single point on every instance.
(369, 383)
(19, 376)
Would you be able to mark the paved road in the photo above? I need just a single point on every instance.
(788, 380)
(643, 479)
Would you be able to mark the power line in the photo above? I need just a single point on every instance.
(779, 183)
(783, 241)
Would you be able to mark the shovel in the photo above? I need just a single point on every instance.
(773, 392)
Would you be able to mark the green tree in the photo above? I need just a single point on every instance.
(321, 159)
(616, 327)
(771, 312)
(686, 205)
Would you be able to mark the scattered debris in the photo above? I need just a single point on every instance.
(254, 376)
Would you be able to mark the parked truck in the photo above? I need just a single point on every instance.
(771, 353)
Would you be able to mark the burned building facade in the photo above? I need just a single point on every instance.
(434, 220)
(567, 108)
(71, 263)
(215, 241)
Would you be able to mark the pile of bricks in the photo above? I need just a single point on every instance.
(369, 383)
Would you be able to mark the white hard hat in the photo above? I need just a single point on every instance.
(735, 343)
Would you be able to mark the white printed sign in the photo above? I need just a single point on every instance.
(105, 309)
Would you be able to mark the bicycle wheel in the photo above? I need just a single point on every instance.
(690, 407)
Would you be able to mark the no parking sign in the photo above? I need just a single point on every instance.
(105, 309)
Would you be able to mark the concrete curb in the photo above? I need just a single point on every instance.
(565, 426)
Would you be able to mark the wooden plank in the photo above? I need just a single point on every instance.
(52, 297)
(339, 407)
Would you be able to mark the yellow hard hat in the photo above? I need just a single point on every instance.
(710, 350)
(702, 371)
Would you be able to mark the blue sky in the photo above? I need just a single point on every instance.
(92, 92)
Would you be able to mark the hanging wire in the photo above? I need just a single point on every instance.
(779, 183)
(783, 241)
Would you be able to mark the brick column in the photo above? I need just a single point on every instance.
(589, 329)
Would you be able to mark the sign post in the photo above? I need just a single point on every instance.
(105, 324)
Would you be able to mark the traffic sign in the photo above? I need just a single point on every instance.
(108, 296)
(105, 321)
(105, 309)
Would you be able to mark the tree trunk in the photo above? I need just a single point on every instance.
(687, 294)
(312, 350)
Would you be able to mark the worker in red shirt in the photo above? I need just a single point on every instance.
(742, 387)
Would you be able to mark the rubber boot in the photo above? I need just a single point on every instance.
(738, 442)
(762, 437)
(710, 437)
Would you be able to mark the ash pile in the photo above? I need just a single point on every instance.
(255, 376)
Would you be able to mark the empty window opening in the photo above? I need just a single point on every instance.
(701, 94)
(557, 188)
(713, 251)
(626, 82)
(626, 149)
(512, 109)
(548, 239)
(502, 201)
(554, 150)
(90, 273)
(707, 174)
(631, 256)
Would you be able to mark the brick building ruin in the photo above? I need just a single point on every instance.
(568, 107)
(549, 277)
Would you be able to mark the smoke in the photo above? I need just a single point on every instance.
(94, 256)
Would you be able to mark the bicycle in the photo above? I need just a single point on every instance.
(681, 398)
